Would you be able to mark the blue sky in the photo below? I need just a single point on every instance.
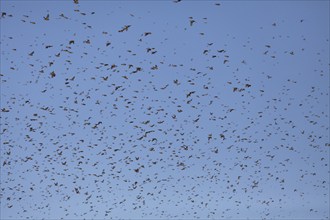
(198, 109)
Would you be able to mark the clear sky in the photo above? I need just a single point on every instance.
(164, 109)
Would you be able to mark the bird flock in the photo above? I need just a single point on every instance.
(162, 110)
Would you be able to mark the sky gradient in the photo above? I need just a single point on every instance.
(164, 110)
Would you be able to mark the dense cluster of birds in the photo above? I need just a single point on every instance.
(134, 122)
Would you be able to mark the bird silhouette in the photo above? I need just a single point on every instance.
(46, 18)
(160, 118)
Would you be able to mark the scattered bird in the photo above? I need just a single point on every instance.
(52, 74)
(46, 18)
(100, 124)
(125, 28)
(192, 22)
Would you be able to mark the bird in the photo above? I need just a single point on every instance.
(52, 74)
(46, 18)
(192, 22)
(125, 28)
